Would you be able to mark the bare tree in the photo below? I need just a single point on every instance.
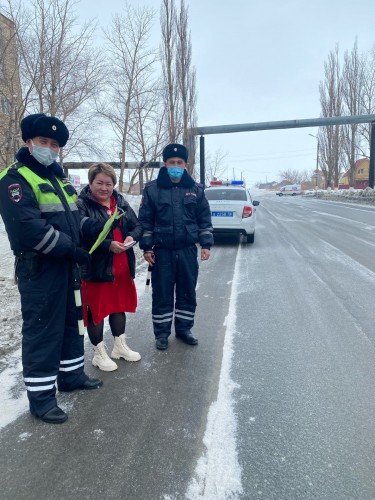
(179, 76)
(61, 72)
(131, 66)
(294, 176)
(329, 138)
(367, 96)
(215, 166)
(192, 119)
(186, 82)
(352, 84)
(168, 57)
(148, 133)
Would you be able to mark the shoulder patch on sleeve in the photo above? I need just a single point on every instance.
(15, 192)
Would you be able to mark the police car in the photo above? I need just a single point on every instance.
(232, 208)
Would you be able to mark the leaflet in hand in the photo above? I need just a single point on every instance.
(129, 244)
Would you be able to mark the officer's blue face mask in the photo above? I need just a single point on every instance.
(43, 155)
(175, 173)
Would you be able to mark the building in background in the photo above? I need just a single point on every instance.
(10, 93)
(361, 175)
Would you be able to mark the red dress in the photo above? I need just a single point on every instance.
(119, 295)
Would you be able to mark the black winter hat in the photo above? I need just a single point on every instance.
(42, 125)
(175, 150)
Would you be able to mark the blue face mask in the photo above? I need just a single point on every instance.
(45, 156)
(175, 172)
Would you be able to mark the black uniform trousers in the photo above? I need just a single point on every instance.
(52, 349)
(174, 278)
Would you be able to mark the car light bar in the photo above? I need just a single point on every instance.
(227, 183)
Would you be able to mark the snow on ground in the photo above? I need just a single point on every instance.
(10, 322)
(13, 396)
(218, 473)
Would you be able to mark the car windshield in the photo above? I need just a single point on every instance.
(225, 194)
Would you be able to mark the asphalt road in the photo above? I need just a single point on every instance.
(306, 361)
(302, 364)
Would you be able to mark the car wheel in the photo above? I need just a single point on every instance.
(250, 238)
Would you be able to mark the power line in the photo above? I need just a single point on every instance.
(304, 150)
(253, 158)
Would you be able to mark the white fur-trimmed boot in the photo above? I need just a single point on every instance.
(122, 350)
(101, 359)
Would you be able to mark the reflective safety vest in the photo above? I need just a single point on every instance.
(44, 190)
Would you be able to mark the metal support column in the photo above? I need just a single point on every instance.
(140, 173)
(372, 157)
(202, 160)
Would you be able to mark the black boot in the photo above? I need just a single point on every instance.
(187, 337)
(54, 416)
(161, 343)
(86, 385)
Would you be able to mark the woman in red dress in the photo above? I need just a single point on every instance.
(108, 287)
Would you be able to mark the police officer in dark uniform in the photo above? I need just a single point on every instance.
(38, 206)
(174, 215)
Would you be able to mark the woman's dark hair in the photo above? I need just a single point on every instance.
(102, 168)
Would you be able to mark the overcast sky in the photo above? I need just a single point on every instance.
(262, 60)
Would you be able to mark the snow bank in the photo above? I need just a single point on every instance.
(365, 196)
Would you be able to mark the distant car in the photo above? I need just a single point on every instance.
(232, 208)
(291, 190)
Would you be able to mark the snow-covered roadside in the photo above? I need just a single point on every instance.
(361, 196)
(12, 390)
(218, 472)
(10, 326)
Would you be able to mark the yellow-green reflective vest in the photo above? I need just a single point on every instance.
(44, 191)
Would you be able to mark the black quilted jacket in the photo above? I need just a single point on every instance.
(102, 259)
(174, 215)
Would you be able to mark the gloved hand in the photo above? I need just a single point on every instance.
(81, 256)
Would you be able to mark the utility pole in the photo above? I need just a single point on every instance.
(202, 160)
(317, 164)
(317, 160)
(371, 172)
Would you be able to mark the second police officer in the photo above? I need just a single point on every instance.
(175, 216)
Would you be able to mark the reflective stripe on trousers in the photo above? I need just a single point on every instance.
(52, 349)
(174, 278)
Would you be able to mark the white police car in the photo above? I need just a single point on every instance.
(232, 208)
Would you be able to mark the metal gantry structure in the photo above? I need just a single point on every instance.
(277, 125)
